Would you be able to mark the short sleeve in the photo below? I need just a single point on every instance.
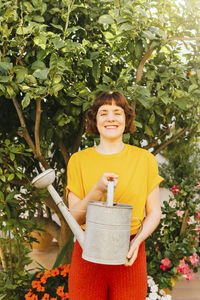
(154, 178)
(74, 177)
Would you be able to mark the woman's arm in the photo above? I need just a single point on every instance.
(78, 206)
(153, 215)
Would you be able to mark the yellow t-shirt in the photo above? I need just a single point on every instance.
(137, 170)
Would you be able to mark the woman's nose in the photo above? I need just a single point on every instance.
(110, 117)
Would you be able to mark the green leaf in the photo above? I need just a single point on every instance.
(57, 26)
(182, 103)
(88, 62)
(106, 19)
(108, 35)
(10, 91)
(12, 156)
(96, 72)
(40, 41)
(152, 118)
(148, 35)
(138, 124)
(138, 49)
(126, 27)
(26, 101)
(148, 130)
(57, 87)
(3, 178)
(38, 64)
(192, 87)
(5, 67)
(1, 196)
(41, 74)
(4, 78)
(11, 177)
(20, 74)
(58, 43)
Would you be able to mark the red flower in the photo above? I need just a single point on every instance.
(197, 215)
(175, 189)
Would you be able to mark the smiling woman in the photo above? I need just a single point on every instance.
(134, 172)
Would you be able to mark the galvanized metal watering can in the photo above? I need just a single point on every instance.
(107, 233)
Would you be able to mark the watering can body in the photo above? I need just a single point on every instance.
(107, 232)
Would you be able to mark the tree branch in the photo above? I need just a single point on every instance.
(79, 136)
(154, 143)
(178, 38)
(24, 133)
(37, 127)
(64, 152)
(172, 139)
(3, 259)
(141, 65)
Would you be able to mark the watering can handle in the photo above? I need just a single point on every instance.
(110, 193)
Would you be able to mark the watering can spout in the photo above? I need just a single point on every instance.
(45, 180)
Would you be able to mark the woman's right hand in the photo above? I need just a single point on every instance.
(102, 183)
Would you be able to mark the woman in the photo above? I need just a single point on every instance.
(136, 180)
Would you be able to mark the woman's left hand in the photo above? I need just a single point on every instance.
(133, 252)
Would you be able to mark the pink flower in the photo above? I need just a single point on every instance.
(175, 189)
(165, 263)
(185, 269)
(197, 215)
(194, 260)
(189, 276)
(180, 213)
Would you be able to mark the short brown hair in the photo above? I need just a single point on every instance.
(107, 98)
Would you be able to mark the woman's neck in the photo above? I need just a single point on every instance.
(108, 147)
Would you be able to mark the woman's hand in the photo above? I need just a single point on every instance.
(102, 183)
(133, 251)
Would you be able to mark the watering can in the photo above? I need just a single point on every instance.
(107, 232)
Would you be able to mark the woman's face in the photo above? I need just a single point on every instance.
(111, 121)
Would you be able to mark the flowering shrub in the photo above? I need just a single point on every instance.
(154, 293)
(172, 249)
(50, 285)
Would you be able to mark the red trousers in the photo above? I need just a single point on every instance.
(91, 281)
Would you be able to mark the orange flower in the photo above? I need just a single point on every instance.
(35, 284)
(65, 271)
(39, 275)
(34, 297)
(45, 297)
(40, 288)
(47, 273)
(66, 296)
(43, 279)
(53, 298)
(59, 291)
(28, 295)
(55, 272)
